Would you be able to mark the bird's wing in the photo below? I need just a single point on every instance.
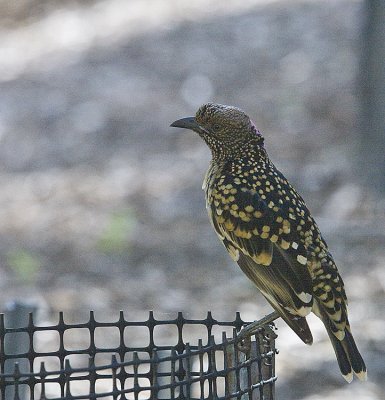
(259, 237)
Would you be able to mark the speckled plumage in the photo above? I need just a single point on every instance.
(268, 230)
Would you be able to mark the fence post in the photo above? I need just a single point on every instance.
(242, 378)
(16, 316)
(237, 379)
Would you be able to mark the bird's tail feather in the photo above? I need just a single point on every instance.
(348, 356)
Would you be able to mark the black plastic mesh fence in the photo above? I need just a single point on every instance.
(153, 359)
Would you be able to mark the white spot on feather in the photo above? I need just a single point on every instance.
(340, 335)
(348, 377)
(302, 312)
(305, 297)
(301, 259)
(362, 376)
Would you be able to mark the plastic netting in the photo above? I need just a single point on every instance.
(152, 359)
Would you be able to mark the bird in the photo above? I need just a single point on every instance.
(270, 233)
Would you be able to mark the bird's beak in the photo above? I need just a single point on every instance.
(186, 123)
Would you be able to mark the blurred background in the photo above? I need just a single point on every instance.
(101, 206)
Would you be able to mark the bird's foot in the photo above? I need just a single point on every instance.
(244, 336)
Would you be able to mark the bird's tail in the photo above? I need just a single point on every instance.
(349, 358)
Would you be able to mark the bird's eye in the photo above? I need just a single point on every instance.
(216, 127)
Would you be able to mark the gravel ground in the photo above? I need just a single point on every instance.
(101, 206)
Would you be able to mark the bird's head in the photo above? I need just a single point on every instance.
(226, 130)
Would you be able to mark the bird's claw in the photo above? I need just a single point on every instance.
(244, 335)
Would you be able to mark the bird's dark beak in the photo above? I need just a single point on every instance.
(186, 123)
